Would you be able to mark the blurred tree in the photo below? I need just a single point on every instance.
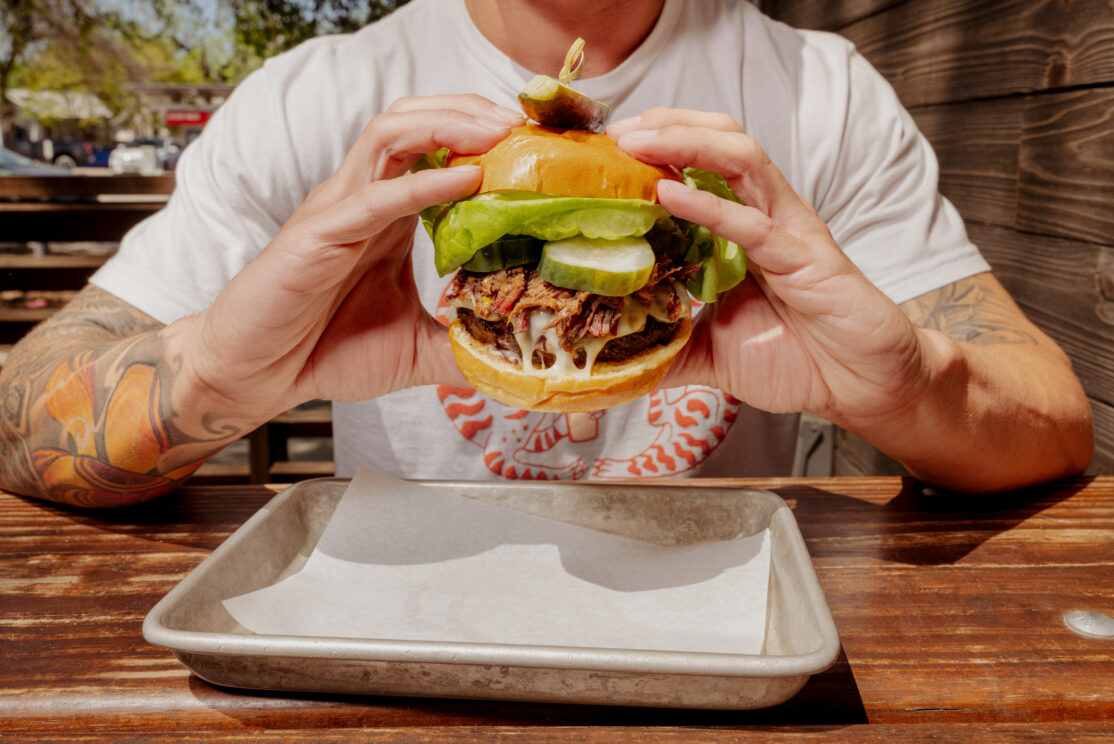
(266, 27)
(83, 46)
(99, 46)
(230, 38)
(25, 25)
(108, 60)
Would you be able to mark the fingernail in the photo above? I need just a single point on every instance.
(638, 136)
(493, 122)
(628, 123)
(463, 170)
(665, 186)
(509, 114)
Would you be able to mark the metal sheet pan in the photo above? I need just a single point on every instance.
(801, 638)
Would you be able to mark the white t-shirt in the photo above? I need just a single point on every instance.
(827, 119)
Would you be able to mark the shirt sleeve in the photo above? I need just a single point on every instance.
(234, 189)
(875, 181)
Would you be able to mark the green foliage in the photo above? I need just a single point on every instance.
(61, 33)
(102, 60)
(230, 38)
(266, 27)
(100, 46)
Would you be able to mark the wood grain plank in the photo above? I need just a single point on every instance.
(824, 15)
(977, 146)
(25, 314)
(24, 221)
(544, 734)
(953, 50)
(1102, 461)
(1066, 185)
(905, 571)
(53, 261)
(82, 187)
(972, 647)
(1059, 285)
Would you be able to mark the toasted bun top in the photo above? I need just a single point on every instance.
(564, 162)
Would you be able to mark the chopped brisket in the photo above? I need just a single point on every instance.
(496, 305)
(510, 295)
(491, 296)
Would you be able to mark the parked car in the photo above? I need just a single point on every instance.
(71, 153)
(99, 156)
(14, 164)
(147, 156)
(62, 152)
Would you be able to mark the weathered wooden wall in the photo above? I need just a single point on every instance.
(1017, 96)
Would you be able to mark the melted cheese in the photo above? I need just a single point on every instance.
(631, 320)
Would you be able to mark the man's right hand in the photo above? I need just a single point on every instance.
(329, 309)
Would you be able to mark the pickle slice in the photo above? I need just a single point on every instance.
(513, 250)
(607, 267)
(550, 102)
(553, 102)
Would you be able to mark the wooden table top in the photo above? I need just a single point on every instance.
(950, 611)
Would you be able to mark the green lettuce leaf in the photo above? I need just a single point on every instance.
(435, 159)
(469, 225)
(722, 262)
(460, 230)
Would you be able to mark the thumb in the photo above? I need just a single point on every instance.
(693, 363)
(436, 364)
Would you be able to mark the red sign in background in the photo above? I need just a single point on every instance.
(186, 118)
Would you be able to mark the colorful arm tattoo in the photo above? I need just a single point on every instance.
(85, 415)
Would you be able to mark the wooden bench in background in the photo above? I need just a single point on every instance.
(55, 231)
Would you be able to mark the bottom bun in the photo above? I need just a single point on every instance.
(609, 384)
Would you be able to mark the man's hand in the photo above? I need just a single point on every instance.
(806, 331)
(329, 309)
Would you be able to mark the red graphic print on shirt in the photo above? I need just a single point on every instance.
(671, 432)
(681, 428)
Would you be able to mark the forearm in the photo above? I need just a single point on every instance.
(989, 418)
(999, 406)
(95, 419)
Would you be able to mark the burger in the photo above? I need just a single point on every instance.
(572, 283)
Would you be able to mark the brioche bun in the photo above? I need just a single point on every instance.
(609, 384)
(564, 162)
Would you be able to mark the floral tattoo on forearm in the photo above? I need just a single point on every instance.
(96, 428)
